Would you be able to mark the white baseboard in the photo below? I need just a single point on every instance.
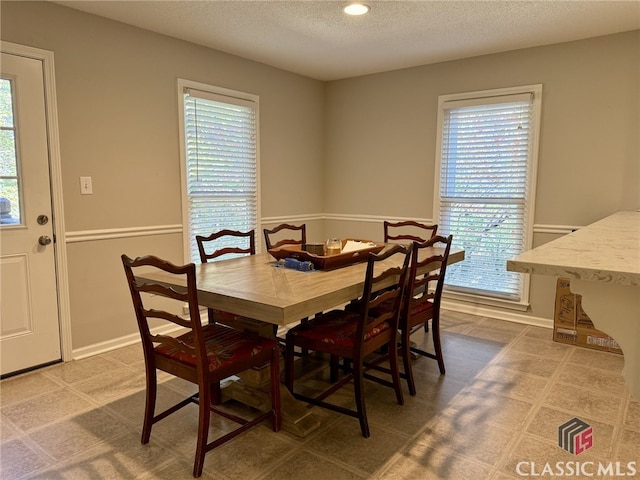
(498, 314)
(115, 343)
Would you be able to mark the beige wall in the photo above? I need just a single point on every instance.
(118, 120)
(361, 148)
(381, 129)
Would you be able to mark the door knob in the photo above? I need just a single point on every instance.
(44, 240)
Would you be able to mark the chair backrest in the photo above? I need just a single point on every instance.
(426, 275)
(143, 314)
(408, 230)
(270, 235)
(390, 264)
(227, 244)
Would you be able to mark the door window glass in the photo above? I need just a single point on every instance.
(9, 179)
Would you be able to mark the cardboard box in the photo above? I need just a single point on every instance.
(572, 325)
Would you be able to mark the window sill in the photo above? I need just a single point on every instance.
(489, 301)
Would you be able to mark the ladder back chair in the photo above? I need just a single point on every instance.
(352, 336)
(226, 242)
(273, 238)
(418, 309)
(420, 303)
(408, 230)
(204, 355)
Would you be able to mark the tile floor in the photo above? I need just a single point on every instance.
(507, 389)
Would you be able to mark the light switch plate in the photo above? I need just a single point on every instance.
(86, 187)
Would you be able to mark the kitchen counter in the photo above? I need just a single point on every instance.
(603, 262)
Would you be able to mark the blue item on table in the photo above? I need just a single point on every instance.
(294, 264)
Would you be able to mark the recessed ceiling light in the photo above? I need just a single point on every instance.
(356, 9)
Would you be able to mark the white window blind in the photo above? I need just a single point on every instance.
(220, 137)
(485, 196)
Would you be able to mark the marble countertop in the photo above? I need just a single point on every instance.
(605, 251)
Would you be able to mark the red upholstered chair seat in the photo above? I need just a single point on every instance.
(225, 346)
(336, 327)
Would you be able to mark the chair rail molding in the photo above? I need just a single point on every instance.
(372, 218)
(555, 229)
(292, 218)
(126, 232)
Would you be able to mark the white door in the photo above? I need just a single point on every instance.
(29, 323)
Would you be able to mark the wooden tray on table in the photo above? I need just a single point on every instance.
(327, 262)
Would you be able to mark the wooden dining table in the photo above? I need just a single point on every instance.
(265, 294)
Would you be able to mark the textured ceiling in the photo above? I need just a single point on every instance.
(314, 38)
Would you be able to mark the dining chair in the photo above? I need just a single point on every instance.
(273, 238)
(417, 310)
(226, 242)
(203, 354)
(408, 230)
(218, 244)
(421, 303)
(352, 336)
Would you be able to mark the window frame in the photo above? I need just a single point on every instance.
(530, 201)
(219, 93)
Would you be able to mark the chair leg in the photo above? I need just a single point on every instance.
(435, 332)
(216, 394)
(334, 365)
(150, 405)
(358, 381)
(204, 415)
(406, 360)
(304, 351)
(288, 365)
(395, 373)
(275, 390)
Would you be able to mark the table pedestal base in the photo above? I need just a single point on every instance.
(615, 310)
(253, 387)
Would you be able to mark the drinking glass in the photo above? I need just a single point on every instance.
(334, 246)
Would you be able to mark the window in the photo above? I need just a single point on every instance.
(485, 186)
(219, 137)
(9, 177)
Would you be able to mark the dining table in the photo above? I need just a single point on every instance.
(262, 293)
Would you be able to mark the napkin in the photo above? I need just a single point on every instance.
(355, 245)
